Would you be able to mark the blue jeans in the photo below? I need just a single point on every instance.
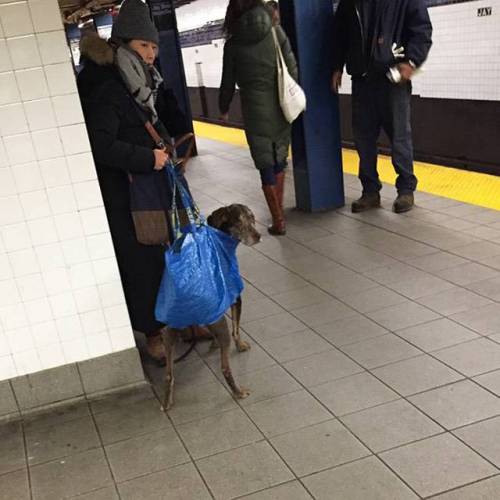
(379, 104)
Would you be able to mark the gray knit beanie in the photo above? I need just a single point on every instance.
(134, 22)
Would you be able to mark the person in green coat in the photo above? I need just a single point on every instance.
(250, 63)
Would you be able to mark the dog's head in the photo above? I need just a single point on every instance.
(238, 221)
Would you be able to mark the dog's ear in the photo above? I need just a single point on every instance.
(218, 218)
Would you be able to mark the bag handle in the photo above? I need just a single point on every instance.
(192, 210)
(279, 53)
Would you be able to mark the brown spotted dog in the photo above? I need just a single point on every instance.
(239, 222)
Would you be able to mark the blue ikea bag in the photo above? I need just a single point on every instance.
(201, 278)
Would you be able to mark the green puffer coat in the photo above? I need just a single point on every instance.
(250, 62)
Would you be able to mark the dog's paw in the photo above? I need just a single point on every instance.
(243, 346)
(242, 393)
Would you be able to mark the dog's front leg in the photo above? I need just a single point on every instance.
(241, 345)
(169, 337)
(221, 331)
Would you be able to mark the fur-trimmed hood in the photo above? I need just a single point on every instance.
(97, 50)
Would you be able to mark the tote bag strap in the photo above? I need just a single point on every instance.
(190, 207)
(279, 53)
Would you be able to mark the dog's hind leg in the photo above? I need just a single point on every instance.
(221, 332)
(169, 337)
(241, 345)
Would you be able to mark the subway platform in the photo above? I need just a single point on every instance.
(374, 369)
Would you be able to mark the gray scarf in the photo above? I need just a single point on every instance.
(141, 79)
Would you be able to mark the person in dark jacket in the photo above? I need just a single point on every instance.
(382, 43)
(118, 87)
(250, 62)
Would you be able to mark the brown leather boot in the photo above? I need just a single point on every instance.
(366, 202)
(278, 228)
(403, 203)
(280, 187)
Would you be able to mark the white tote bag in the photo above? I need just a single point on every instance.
(291, 95)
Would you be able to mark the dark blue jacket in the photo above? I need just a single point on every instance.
(363, 37)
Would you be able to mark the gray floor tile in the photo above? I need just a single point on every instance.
(478, 249)
(458, 404)
(259, 309)
(416, 375)
(437, 464)
(14, 486)
(490, 381)
(243, 471)
(241, 362)
(472, 358)
(346, 286)
(493, 262)
(108, 493)
(318, 447)
(128, 421)
(218, 433)
(67, 438)
(466, 274)
(481, 437)
(350, 330)
(381, 351)
(374, 299)
(483, 320)
(487, 489)
(286, 413)
(120, 400)
(273, 327)
(301, 297)
(402, 316)
(437, 334)
(179, 483)
(12, 456)
(421, 286)
(267, 384)
(319, 368)
(390, 425)
(395, 273)
(288, 491)
(453, 301)
(353, 394)
(320, 314)
(8, 403)
(199, 401)
(145, 454)
(71, 476)
(488, 288)
(282, 284)
(57, 416)
(295, 345)
(437, 262)
(367, 478)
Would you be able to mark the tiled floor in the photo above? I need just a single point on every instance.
(374, 370)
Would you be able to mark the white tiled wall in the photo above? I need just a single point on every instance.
(464, 62)
(61, 299)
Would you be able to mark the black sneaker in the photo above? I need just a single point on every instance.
(403, 203)
(366, 202)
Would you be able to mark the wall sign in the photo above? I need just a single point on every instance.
(484, 11)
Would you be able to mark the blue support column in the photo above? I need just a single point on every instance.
(316, 142)
(170, 56)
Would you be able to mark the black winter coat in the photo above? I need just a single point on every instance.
(121, 144)
(404, 22)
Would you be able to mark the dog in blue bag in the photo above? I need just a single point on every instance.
(201, 281)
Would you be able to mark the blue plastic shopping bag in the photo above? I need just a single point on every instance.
(201, 278)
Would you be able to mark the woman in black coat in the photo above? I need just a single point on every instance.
(115, 105)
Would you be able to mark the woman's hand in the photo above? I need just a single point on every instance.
(224, 117)
(161, 157)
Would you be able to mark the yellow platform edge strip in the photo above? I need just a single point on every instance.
(461, 185)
